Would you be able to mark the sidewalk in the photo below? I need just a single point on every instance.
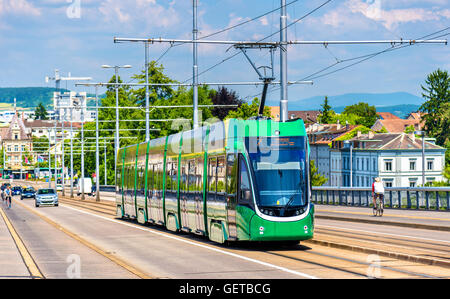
(12, 264)
(433, 220)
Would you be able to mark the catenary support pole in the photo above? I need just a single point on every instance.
(283, 64)
(195, 66)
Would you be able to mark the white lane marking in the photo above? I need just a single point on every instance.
(381, 233)
(198, 245)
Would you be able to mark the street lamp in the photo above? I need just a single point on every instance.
(117, 141)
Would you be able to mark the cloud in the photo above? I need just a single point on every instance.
(146, 13)
(372, 9)
(22, 7)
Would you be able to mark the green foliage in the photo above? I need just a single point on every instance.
(409, 129)
(383, 130)
(353, 133)
(367, 114)
(446, 173)
(343, 118)
(437, 106)
(316, 178)
(326, 114)
(246, 111)
(28, 96)
(40, 112)
(223, 96)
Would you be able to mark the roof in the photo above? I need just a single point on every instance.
(309, 116)
(38, 123)
(387, 115)
(400, 141)
(326, 133)
(396, 125)
(416, 115)
(8, 133)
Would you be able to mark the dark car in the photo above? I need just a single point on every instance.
(28, 192)
(16, 190)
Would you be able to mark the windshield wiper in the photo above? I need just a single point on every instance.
(291, 200)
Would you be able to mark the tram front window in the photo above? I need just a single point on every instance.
(279, 168)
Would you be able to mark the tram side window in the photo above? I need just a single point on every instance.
(183, 176)
(199, 175)
(231, 174)
(212, 171)
(221, 170)
(159, 180)
(191, 177)
(245, 192)
(125, 185)
(149, 180)
(142, 181)
(118, 180)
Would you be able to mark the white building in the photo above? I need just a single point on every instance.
(321, 136)
(78, 100)
(396, 158)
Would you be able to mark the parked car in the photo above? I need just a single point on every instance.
(46, 196)
(16, 190)
(28, 192)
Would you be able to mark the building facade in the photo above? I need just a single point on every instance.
(17, 145)
(395, 158)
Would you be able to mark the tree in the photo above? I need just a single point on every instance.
(367, 114)
(437, 109)
(316, 178)
(223, 96)
(246, 111)
(437, 106)
(155, 75)
(326, 115)
(40, 112)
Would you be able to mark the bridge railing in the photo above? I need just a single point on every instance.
(418, 198)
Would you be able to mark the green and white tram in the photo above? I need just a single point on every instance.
(229, 181)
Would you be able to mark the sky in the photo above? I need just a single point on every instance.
(76, 37)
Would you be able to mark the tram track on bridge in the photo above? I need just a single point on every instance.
(104, 208)
(322, 241)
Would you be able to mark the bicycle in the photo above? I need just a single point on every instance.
(379, 205)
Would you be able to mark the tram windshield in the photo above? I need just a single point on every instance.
(279, 168)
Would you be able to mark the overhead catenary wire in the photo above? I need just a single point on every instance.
(363, 58)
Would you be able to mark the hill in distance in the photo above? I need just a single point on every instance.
(27, 96)
(398, 103)
(30, 96)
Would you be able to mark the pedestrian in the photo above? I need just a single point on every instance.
(8, 196)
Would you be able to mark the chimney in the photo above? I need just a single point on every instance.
(358, 134)
(371, 134)
(412, 136)
(347, 126)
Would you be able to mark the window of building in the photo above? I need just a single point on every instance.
(412, 165)
(388, 165)
(430, 165)
(412, 184)
(16, 148)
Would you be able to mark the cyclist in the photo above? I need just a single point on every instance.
(8, 192)
(377, 191)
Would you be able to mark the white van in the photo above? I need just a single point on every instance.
(87, 186)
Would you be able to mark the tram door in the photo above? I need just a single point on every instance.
(232, 166)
